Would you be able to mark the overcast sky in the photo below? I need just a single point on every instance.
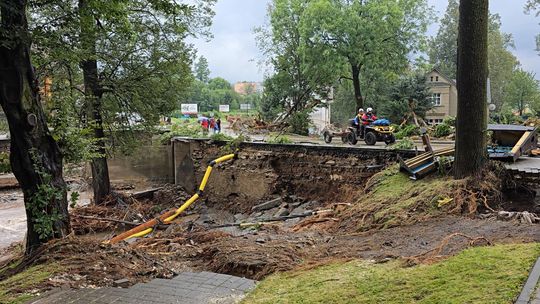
(233, 54)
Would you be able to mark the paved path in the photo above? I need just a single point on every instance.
(530, 293)
(537, 299)
(186, 288)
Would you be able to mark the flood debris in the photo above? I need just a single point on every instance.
(510, 142)
(519, 216)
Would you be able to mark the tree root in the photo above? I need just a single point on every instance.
(434, 255)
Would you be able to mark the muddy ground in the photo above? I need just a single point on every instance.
(259, 188)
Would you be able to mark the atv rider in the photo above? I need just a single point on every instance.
(357, 122)
(367, 119)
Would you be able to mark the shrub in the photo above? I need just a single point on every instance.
(4, 128)
(281, 139)
(450, 120)
(299, 123)
(5, 166)
(221, 137)
(184, 129)
(442, 130)
(403, 144)
(407, 131)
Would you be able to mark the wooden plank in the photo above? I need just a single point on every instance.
(520, 142)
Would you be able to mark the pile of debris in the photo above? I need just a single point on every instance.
(120, 211)
(508, 143)
(249, 124)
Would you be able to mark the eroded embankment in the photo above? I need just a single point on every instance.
(365, 216)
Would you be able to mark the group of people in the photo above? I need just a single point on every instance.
(362, 119)
(214, 125)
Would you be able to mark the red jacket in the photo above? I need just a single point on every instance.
(367, 117)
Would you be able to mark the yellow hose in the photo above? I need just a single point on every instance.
(182, 208)
(205, 178)
(224, 158)
(140, 234)
(189, 201)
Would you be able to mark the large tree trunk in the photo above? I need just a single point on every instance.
(93, 92)
(471, 125)
(35, 157)
(355, 70)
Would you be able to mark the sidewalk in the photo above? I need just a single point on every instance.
(186, 288)
(530, 294)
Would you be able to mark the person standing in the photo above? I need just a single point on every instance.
(218, 125)
(204, 125)
(212, 125)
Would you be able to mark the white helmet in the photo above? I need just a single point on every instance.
(369, 110)
(360, 110)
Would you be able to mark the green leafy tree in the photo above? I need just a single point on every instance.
(209, 96)
(202, 72)
(300, 73)
(344, 106)
(523, 91)
(443, 51)
(219, 83)
(409, 100)
(443, 47)
(126, 62)
(370, 37)
(35, 156)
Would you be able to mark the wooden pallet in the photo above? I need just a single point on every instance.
(423, 164)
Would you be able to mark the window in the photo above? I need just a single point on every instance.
(434, 122)
(436, 78)
(431, 78)
(436, 97)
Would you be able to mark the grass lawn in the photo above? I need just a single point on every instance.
(15, 289)
(479, 275)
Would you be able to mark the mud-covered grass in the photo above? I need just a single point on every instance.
(392, 199)
(18, 288)
(491, 274)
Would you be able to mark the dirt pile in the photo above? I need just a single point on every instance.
(248, 124)
(391, 199)
(121, 210)
(86, 262)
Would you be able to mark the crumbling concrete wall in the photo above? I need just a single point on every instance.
(263, 171)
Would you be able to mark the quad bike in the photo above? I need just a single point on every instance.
(372, 134)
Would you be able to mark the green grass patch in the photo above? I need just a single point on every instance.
(278, 139)
(15, 289)
(393, 199)
(478, 275)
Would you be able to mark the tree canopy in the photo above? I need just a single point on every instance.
(313, 45)
(119, 64)
(523, 91)
(501, 61)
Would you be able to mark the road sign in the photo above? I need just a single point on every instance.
(245, 106)
(224, 108)
(189, 108)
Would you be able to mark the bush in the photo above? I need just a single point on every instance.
(299, 123)
(407, 131)
(404, 144)
(279, 140)
(4, 128)
(5, 166)
(442, 130)
(184, 129)
(221, 137)
(450, 120)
